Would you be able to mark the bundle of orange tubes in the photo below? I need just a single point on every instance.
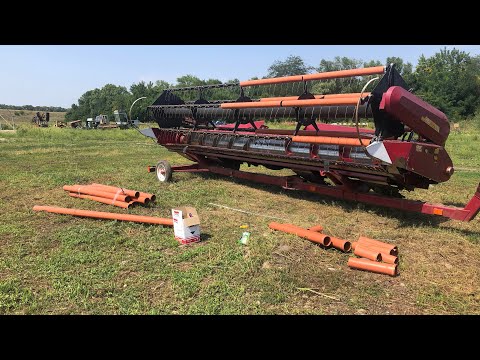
(111, 195)
(375, 256)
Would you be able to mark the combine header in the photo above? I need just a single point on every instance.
(404, 152)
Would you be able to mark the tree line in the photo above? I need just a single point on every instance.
(33, 108)
(449, 80)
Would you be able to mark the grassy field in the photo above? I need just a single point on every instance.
(54, 264)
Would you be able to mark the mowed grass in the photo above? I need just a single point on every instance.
(56, 264)
(24, 117)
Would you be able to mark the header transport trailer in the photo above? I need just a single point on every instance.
(405, 151)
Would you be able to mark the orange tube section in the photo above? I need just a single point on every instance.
(279, 80)
(291, 103)
(105, 215)
(317, 228)
(121, 204)
(367, 253)
(389, 259)
(388, 248)
(373, 266)
(93, 191)
(251, 104)
(340, 244)
(318, 76)
(131, 193)
(138, 194)
(141, 199)
(318, 102)
(345, 73)
(303, 233)
(330, 140)
(325, 96)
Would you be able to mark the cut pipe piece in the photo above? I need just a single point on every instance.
(389, 248)
(307, 234)
(105, 215)
(114, 189)
(354, 244)
(121, 204)
(367, 253)
(340, 244)
(317, 228)
(330, 140)
(87, 190)
(152, 197)
(141, 199)
(373, 266)
(389, 259)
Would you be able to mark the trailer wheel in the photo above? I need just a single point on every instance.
(164, 171)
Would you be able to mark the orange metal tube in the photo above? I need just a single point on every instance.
(389, 248)
(121, 204)
(94, 192)
(252, 104)
(373, 266)
(330, 140)
(105, 215)
(325, 96)
(317, 76)
(307, 234)
(131, 193)
(318, 102)
(367, 253)
(291, 103)
(345, 73)
(279, 80)
(340, 244)
(317, 228)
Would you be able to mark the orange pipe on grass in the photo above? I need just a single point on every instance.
(88, 190)
(367, 253)
(317, 228)
(330, 140)
(373, 266)
(152, 197)
(307, 234)
(121, 204)
(340, 244)
(354, 244)
(105, 215)
(389, 248)
(132, 193)
(386, 257)
(141, 199)
(325, 96)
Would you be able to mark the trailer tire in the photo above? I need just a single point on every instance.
(164, 171)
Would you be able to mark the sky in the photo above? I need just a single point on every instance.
(57, 75)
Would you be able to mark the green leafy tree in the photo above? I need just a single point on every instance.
(449, 80)
(292, 65)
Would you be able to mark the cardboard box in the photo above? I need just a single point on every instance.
(186, 224)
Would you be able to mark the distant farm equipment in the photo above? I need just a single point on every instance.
(41, 120)
(121, 121)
